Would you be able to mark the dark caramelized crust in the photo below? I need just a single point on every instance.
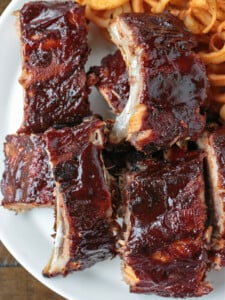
(27, 180)
(83, 202)
(54, 50)
(164, 248)
(168, 82)
(111, 79)
(214, 145)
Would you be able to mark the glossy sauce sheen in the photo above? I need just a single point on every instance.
(112, 79)
(174, 79)
(54, 48)
(166, 247)
(79, 170)
(27, 178)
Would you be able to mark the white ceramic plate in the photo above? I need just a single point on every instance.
(27, 236)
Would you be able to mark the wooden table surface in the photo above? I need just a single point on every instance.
(15, 282)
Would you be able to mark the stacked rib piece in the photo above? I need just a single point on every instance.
(85, 168)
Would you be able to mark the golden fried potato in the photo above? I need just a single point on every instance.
(104, 4)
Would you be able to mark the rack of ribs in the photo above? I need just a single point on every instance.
(168, 82)
(164, 249)
(54, 50)
(27, 181)
(213, 144)
(111, 79)
(84, 225)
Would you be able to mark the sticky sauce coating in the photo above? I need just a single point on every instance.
(54, 49)
(168, 82)
(27, 180)
(175, 86)
(84, 207)
(165, 245)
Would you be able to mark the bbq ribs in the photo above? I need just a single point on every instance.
(84, 225)
(168, 82)
(157, 88)
(164, 247)
(27, 181)
(54, 51)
